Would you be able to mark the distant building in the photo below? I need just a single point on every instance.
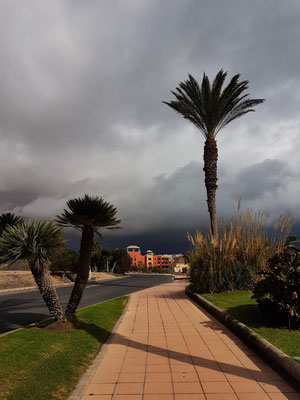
(150, 259)
(179, 265)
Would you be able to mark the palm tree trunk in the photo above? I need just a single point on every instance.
(210, 170)
(42, 278)
(86, 247)
(113, 268)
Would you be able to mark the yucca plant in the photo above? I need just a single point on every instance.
(231, 260)
(35, 242)
(87, 214)
(210, 108)
(8, 219)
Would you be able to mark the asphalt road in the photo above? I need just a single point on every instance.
(22, 308)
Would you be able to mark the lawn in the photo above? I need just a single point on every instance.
(241, 307)
(42, 364)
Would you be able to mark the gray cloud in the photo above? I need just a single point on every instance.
(255, 181)
(81, 112)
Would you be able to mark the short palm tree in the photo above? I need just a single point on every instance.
(35, 242)
(8, 219)
(87, 214)
(210, 109)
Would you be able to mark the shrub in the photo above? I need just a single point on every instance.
(111, 260)
(231, 260)
(159, 270)
(65, 260)
(278, 291)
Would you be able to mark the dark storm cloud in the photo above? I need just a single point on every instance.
(80, 107)
(258, 179)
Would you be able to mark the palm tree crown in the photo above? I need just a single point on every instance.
(208, 107)
(33, 241)
(89, 211)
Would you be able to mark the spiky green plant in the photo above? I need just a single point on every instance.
(88, 214)
(8, 219)
(210, 109)
(35, 242)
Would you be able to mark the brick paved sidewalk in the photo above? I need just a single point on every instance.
(167, 348)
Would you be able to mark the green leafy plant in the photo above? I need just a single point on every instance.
(111, 260)
(36, 242)
(8, 219)
(278, 290)
(65, 260)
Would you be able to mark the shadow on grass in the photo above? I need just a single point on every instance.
(248, 314)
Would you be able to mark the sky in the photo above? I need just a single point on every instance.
(81, 112)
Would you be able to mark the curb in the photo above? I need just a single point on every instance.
(4, 291)
(85, 379)
(271, 354)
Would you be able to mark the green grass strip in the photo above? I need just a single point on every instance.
(37, 364)
(241, 307)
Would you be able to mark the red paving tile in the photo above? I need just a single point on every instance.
(100, 388)
(158, 377)
(222, 396)
(98, 397)
(167, 348)
(158, 397)
(189, 396)
(191, 387)
(217, 387)
(158, 387)
(129, 388)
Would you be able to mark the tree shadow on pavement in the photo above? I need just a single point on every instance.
(259, 371)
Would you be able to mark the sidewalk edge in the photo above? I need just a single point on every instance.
(266, 350)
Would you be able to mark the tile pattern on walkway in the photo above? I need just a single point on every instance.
(167, 348)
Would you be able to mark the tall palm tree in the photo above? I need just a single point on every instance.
(87, 214)
(8, 219)
(210, 108)
(35, 242)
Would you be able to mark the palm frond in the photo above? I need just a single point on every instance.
(34, 241)
(89, 211)
(207, 106)
(8, 219)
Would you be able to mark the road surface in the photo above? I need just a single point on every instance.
(22, 308)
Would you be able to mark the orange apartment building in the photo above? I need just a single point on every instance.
(150, 259)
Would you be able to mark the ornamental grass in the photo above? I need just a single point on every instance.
(231, 259)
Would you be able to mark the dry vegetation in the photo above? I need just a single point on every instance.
(242, 248)
(22, 279)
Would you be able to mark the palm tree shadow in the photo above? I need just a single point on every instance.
(249, 315)
(258, 372)
(101, 335)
